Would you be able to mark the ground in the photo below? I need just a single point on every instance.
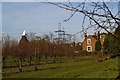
(77, 68)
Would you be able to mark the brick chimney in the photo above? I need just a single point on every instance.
(85, 35)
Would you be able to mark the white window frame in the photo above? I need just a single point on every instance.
(89, 50)
(88, 41)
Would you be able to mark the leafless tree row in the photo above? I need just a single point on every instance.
(34, 49)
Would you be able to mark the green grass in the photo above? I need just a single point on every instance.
(77, 68)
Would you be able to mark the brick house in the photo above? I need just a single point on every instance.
(89, 42)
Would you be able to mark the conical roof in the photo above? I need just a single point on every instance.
(23, 40)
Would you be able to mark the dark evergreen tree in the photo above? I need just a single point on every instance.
(98, 45)
(112, 43)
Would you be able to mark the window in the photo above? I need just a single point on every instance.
(88, 41)
(89, 48)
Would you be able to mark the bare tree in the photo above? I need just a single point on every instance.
(37, 50)
(99, 15)
(5, 48)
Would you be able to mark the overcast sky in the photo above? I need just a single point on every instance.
(40, 18)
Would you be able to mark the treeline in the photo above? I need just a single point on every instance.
(35, 48)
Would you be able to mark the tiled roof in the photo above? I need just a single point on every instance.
(23, 40)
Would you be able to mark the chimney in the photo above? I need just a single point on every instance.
(95, 34)
(85, 34)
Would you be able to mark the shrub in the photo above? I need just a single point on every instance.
(111, 45)
(85, 53)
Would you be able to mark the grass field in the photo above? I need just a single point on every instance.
(78, 68)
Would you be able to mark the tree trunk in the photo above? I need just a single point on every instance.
(54, 60)
(39, 60)
(61, 59)
(20, 65)
(46, 58)
(3, 62)
(36, 61)
(30, 59)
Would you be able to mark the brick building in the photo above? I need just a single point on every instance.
(89, 42)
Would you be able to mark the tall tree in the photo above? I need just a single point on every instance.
(112, 44)
(99, 14)
(98, 45)
(5, 49)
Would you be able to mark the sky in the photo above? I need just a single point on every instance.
(0, 21)
(40, 18)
